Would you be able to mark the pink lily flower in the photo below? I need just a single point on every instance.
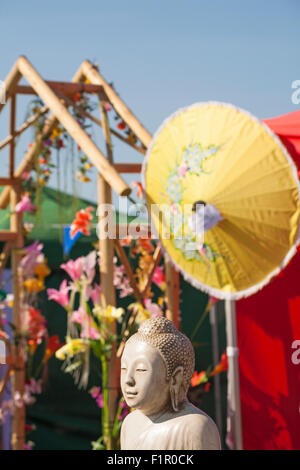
(60, 296)
(87, 330)
(74, 268)
(94, 293)
(153, 308)
(88, 264)
(24, 205)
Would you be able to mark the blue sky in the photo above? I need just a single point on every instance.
(161, 54)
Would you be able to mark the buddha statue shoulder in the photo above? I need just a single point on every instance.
(156, 369)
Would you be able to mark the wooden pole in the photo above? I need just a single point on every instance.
(74, 129)
(172, 292)
(10, 84)
(18, 377)
(126, 114)
(12, 133)
(106, 246)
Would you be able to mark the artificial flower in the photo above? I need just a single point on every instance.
(72, 347)
(121, 125)
(159, 277)
(199, 378)
(95, 392)
(42, 271)
(61, 296)
(53, 344)
(34, 285)
(153, 308)
(73, 268)
(109, 313)
(24, 205)
(34, 324)
(139, 189)
(88, 326)
(82, 222)
(222, 366)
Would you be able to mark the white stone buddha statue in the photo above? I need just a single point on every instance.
(156, 369)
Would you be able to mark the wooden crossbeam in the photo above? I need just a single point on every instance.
(66, 88)
(128, 167)
(7, 235)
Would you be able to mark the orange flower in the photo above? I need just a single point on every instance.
(146, 244)
(82, 222)
(42, 271)
(125, 241)
(139, 189)
(77, 97)
(32, 346)
(198, 378)
(222, 366)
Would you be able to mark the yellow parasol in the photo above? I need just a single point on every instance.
(228, 194)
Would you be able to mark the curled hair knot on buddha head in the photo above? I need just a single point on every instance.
(176, 351)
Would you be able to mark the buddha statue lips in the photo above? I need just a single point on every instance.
(156, 368)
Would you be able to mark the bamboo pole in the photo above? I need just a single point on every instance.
(106, 246)
(12, 125)
(10, 83)
(24, 126)
(18, 377)
(74, 129)
(172, 293)
(155, 261)
(28, 161)
(4, 256)
(126, 114)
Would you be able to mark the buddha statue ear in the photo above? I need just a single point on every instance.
(175, 387)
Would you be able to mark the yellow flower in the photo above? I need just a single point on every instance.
(42, 182)
(87, 81)
(142, 315)
(110, 313)
(42, 271)
(87, 166)
(72, 347)
(85, 179)
(57, 131)
(34, 285)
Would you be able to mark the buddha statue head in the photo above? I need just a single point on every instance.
(156, 367)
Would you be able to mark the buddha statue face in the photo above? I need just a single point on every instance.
(143, 378)
(156, 367)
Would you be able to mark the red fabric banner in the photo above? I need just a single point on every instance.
(268, 325)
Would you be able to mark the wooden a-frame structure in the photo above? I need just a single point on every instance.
(57, 97)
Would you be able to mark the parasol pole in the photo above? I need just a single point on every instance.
(217, 383)
(234, 402)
